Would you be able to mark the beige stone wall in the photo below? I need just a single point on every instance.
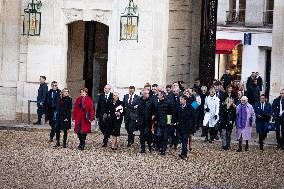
(277, 64)
(9, 56)
(184, 39)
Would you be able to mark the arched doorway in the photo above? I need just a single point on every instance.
(87, 57)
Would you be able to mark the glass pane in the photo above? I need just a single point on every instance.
(242, 4)
(269, 4)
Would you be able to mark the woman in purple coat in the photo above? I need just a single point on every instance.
(245, 121)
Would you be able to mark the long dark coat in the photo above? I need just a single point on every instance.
(186, 119)
(52, 105)
(227, 115)
(260, 123)
(65, 109)
(41, 95)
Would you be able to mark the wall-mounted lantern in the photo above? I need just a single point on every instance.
(129, 22)
(32, 19)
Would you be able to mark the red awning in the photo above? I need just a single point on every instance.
(225, 46)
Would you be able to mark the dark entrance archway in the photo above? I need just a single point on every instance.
(87, 57)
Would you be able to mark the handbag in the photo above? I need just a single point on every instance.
(271, 126)
(88, 116)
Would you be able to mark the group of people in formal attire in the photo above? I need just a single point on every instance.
(166, 117)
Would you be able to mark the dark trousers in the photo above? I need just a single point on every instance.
(145, 136)
(52, 123)
(106, 135)
(130, 128)
(210, 131)
(184, 144)
(82, 138)
(241, 143)
(262, 137)
(64, 136)
(163, 135)
(40, 112)
(226, 138)
(280, 135)
(174, 135)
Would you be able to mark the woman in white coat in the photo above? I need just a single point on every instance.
(211, 117)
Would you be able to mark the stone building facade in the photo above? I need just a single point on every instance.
(59, 53)
(167, 49)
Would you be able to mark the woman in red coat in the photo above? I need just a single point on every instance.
(83, 115)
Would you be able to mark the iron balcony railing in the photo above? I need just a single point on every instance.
(234, 17)
(268, 17)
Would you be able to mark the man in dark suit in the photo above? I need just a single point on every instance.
(278, 116)
(130, 114)
(41, 99)
(227, 78)
(253, 92)
(103, 112)
(250, 79)
(144, 111)
(197, 85)
(263, 112)
(52, 108)
(259, 81)
(174, 97)
(219, 93)
(164, 112)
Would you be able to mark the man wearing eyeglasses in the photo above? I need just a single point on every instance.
(278, 115)
(52, 108)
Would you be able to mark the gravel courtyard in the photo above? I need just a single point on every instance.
(27, 160)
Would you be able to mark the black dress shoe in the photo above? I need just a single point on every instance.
(56, 145)
(190, 149)
(64, 145)
(37, 123)
(50, 140)
(104, 145)
(143, 151)
(246, 148)
(163, 153)
(239, 150)
(128, 145)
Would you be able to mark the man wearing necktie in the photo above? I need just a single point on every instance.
(130, 114)
(278, 116)
(263, 110)
(52, 108)
(103, 113)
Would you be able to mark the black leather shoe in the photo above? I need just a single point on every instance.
(104, 145)
(163, 153)
(37, 123)
(57, 145)
(64, 145)
(239, 150)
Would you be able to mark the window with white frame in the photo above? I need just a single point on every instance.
(268, 13)
(236, 12)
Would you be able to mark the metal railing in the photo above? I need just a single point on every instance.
(234, 17)
(29, 110)
(268, 17)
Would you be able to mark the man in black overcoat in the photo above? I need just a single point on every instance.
(41, 98)
(103, 113)
(278, 116)
(130, 114)
(52, 108)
